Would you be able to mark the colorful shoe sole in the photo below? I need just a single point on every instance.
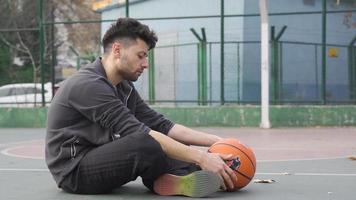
(196, 184)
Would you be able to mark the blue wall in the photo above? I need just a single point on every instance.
(301, 64)
(184, 59)
(176, 68)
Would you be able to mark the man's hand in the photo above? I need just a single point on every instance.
(215, 162)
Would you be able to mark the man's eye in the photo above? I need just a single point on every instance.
(141, 56)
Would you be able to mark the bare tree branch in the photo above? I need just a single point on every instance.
(3, 39)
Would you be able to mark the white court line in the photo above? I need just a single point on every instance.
(279, 174)
(23, 170)
(306, 174)
(304, 159)
(29, 142)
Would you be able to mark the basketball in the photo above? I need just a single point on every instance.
(245, 164)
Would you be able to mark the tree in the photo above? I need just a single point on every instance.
(20, 34)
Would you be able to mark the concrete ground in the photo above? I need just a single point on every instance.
(305, 163)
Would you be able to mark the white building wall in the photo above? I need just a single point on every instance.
(176, 68)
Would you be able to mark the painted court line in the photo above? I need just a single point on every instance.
(21, 142)
(306, 174)
(304, 159)
(23, 170)
(8, 150)
(279, 174)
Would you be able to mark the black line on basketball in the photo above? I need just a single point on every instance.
(247, 177)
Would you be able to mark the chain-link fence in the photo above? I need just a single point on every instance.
(19, 55)
(313, 56)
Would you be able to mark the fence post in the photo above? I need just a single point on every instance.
(222, 53)
(151, 77)
(41, 32)
(127, 9)
(275, 65)
(238, 74)
(53, 53)
(202, 67)
(199, 72)
(210, 75)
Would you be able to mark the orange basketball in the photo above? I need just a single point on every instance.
(244, 166)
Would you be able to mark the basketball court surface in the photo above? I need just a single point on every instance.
(304, 163)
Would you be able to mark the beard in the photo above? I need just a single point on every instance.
(132, 78)
(126, 73)
(129, 76)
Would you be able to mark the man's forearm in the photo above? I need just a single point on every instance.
(176, 149)
(192, 137)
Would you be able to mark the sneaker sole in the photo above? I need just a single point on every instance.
(196, 184)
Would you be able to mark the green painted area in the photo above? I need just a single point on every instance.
(313, 116)
(225, 116)
(213, 116)
(23, 117)
(249, 116)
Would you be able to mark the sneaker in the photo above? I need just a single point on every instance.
(197, 184)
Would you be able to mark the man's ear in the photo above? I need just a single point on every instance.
(116, 49)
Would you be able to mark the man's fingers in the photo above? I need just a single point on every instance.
(227, 177)
(228, 156)
(223, 186)
(232, 174)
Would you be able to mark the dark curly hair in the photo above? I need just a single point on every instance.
(128, 30)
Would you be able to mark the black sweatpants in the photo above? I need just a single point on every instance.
(116, 163)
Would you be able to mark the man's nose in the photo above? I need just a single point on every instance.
(145, 63)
